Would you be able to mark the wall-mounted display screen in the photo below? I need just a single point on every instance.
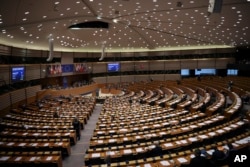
(113, 67)
(17, 73)
(232, 72)
(205, 71)
(185, 72)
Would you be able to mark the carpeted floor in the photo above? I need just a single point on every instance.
(76, 159)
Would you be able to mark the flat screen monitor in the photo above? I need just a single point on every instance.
(232, 72)
(205, 71)
(17, 73)
(113, 67)
(185, 72)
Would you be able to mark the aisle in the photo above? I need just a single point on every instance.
(76, 159)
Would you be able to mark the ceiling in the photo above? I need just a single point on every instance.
(134, 25)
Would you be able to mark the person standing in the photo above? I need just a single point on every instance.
(77, 127)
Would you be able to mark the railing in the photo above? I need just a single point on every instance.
(70, 91)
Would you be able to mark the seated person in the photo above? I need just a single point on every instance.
(199, 160)
(231, 153)
(157, 150)
(56, 114)
(218, 157)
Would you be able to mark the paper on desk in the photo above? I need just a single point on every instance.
(22, 144)
(147, 165)
(46, 144)
(168, 144)
(18, 158)
(139, 150)
(127, 151)
(10, 144)
(32, 158)
(4, 158)
(94, 155)
(165, 163)
(182, 160)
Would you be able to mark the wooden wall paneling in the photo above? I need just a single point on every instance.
(5, 50)
(43, 72)
(80, 55)
(31, 91)
(96, 55)
(157, 77)
(56, 54)
(206, 63)
(4, 101)
(114, 55)
(127, 66)
(141, 54)
(141, 66)
(67, 58)
(18, 52)
(127, 78)
(221, 63)
(100, 67)
(113, 79)
(225, 50)
(5, 73)
(189, 63)
(66, 92)
(127, 54)
(159, 53)
(156, 65)
(33, 72)
(173, 52)
(136, 78)
(33, 53)
(17, 96)
(45, 54)
(139, 78)
(172, 65)
(172, 77)
(100, 79)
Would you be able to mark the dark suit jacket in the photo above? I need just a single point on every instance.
(199, 161)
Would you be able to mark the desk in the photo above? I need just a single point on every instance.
(36, 146)
(23, 161)
(69, 135)
(165, 163)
